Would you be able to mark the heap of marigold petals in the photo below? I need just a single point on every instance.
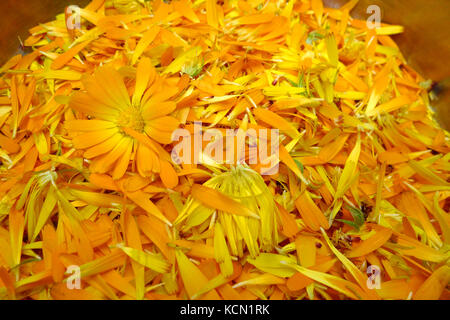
(87, 179)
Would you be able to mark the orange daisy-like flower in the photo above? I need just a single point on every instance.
(121, 128)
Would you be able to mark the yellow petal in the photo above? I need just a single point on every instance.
(217, 200)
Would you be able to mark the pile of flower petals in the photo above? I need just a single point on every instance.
(357, 210)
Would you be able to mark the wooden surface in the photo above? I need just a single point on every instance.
(17, 16)
(425, 42)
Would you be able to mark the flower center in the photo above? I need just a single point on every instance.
(131, 118)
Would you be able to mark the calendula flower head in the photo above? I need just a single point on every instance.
(242, 208)
(121, 129)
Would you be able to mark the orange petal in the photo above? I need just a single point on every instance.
(145, 74)
(168, 175)
(371, 244)
(217, 200)
(161, 129)
(89, 139)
